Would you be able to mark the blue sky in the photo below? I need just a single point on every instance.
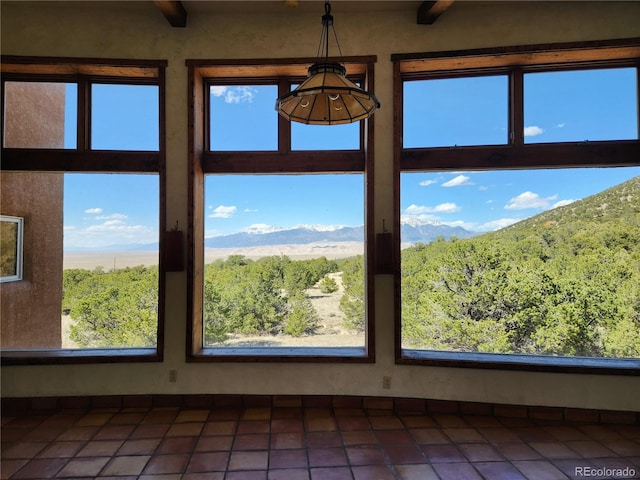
(104, 210)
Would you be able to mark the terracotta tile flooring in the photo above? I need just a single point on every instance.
(310, 444)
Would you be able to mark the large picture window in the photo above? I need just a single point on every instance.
(92, 149)
(512, 253)
(281, 267)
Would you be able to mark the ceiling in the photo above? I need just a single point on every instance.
(302, 6)
(177, 12)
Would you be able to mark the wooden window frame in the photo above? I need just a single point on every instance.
(515, 62)
(84, 72)
(282, 72)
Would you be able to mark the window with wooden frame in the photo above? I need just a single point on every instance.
(83, 164)
(516, 208)
(278, 257)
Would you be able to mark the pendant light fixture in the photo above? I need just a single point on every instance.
(327, 96)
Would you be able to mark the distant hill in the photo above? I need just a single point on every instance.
(563, 282)
(617, 205)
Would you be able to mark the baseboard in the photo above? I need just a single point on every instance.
(416, 406)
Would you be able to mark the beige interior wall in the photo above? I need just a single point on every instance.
(119, 30)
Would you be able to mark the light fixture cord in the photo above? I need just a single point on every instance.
(327, 21)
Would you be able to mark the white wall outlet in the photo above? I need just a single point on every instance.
(173, 376)
(386, 382)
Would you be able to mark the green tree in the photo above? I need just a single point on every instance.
(261, 297)
(113, 309)
(352, 300)
(302, 318)
(328, 285)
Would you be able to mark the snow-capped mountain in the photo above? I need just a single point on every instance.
(417, 231)
(258, 235)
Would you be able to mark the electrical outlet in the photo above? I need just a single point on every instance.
(386, 382)
(173, 376)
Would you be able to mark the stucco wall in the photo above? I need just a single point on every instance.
(30, 308)
(118, 30)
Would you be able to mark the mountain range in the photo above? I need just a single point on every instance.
(617, 202)
(303, 234)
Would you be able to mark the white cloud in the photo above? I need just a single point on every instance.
(106, 234)
(414, 209)
(529, 200)
(93, 211)
(116, 216)
(217, 90)
(426, 183)
(458, 181)
(250, 210)
(447, 207)
(562, 203)
(532, 131)
(233, 94)
(497, 224)
(223, 211)
(419, 219)
(112, 223)
(560, 125)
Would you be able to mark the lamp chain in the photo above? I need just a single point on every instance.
(327, 21)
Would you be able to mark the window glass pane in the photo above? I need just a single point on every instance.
(455, 112)
(581, 105)
(110, 260)
(285, 269)
(543, 262)
(243, 117)
(90, 259)
(124, 117)
(323, 137)
(40, 115)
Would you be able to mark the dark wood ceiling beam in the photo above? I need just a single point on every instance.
(428, 12)
(174, 12)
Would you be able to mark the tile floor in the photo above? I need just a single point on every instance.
(310, 444)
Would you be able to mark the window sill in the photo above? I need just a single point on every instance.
(64, 356)
(536, 363)
(284, 354)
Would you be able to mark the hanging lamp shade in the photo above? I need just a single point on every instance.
(327, 96)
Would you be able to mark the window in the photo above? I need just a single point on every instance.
(242, 117)
(11, 229)
(280, 265)
(512, 253)
(587, 105)
(456, 111)
(124, 117)
(91, 146)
